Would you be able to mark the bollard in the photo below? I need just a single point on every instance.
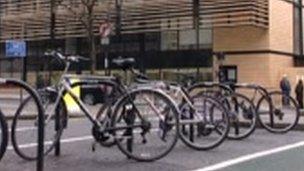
(40, 132)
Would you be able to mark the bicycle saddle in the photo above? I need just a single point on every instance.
(124, 63)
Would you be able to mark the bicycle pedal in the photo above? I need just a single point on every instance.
(144, 141)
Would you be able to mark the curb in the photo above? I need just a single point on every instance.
(72, 116)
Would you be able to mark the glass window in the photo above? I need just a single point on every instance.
(187, 39)
(297, 37)
(296, 31)
(205, 38)
(169, 40)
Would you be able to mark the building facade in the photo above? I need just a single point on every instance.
(262, 39)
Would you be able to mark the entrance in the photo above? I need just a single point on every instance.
(228, 74)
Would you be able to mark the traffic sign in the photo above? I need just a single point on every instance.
(105, 41)
(15, 48)
(105, 29)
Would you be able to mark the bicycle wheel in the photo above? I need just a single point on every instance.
(275, 115)
(242, 114)
(206, 125)
(24, 126)
(3, 135)
(146, 124)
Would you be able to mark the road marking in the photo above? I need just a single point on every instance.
(249, 157)
(64, 141)
(22, 129)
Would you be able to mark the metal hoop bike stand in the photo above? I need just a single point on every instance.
(33, 93)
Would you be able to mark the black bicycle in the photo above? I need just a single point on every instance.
(204, 122)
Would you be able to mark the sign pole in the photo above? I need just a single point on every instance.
(24, 73)
(105, 31)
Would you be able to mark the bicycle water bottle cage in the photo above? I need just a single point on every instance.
(124, 63)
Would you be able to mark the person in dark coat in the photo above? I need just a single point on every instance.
(299, 93)
(286, 88)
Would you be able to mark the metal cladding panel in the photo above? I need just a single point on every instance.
(31, 19)
(231, 13)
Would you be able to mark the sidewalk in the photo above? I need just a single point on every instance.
(11, 93)
(10, 110)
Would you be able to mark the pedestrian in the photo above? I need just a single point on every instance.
(299, 93)
(286, 88)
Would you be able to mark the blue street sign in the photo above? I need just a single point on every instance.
(15, 48)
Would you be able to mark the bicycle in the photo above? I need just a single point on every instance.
(272, 111)
(137, 114)
(204, 123)
(269, 108)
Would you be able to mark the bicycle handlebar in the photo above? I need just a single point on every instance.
(71, 58)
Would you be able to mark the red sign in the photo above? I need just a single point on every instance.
(105, 29)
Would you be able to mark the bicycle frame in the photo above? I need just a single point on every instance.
(65, 87)
(178, 90)
(185, 96)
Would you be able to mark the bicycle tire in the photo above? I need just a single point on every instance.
(47, 149)
(124, 112)
(279, 127)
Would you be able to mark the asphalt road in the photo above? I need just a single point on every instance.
(76, 155)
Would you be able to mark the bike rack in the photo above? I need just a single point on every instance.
(264, 93)
(40, 139)
(57, 148)
(205, 85)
